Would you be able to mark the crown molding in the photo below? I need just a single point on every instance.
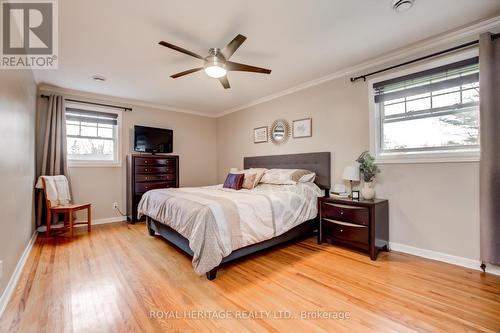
(126, 102)
(442, 39)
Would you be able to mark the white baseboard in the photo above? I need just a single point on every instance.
(94, 222)
(447, 258)
(107, 220)
(14, 278)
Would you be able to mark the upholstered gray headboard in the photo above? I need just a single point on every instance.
(317, 162)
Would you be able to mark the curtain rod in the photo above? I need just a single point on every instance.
(462, 46)
(93, 103)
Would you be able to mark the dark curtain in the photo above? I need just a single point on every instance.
(489, 73)
(54, 159)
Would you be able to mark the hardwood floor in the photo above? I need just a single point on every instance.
(117, 278)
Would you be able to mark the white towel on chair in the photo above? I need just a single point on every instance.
(57, 190)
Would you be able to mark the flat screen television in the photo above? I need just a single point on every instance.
(153, 140)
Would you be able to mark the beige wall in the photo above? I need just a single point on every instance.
(339, 117)
(432, 206)
(194, 142)
(17, 166)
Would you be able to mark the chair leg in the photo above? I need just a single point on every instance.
(47, 224)
(89, 218)
(71, 224)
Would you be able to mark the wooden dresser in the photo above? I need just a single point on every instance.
(362, 224)
(148, 172)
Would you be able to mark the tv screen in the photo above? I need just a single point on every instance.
(153, 140)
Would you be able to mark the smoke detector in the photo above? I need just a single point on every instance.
(400, 6)
(99, 78)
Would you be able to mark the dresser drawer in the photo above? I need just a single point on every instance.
(353, 214)
(146, 161)
(144, 187)
(345, 231)
(154, 177)
(152, 169)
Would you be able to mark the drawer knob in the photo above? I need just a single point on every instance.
(341, 213)
(341, 230)
(145, 169)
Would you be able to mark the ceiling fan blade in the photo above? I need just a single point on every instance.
(233, 45)
(225, 82)
(189, 71)
(234, 66)
(180, 49)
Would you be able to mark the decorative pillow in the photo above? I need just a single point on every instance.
(234, 181)
(308, 178)
(260, 173)
(249, 180)
(284, 176)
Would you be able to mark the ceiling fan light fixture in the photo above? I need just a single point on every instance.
(215, 71)
(215, 64)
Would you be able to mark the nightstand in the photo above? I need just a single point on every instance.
(362, 224)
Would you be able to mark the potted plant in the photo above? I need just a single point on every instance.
(369, 170)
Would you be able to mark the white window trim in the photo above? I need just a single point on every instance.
(456, 155)
(117, 163)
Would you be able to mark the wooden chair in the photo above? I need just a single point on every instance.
(68, 210)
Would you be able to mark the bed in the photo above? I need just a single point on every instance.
(252, 220)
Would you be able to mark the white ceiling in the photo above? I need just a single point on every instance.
(299, 40)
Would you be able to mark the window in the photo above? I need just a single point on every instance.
(92, 135)
(432, 114)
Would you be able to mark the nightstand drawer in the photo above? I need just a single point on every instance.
(345, 231)
(353, 214)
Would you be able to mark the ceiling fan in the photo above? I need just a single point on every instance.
(217, 63)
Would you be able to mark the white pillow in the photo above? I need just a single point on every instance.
(284, 176)
(252, 177)
(308, 178)
(260, 173)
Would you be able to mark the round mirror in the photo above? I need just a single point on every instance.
(280, 131)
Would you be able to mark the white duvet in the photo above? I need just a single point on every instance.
(217, 221)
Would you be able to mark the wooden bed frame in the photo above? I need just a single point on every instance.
(317, 162)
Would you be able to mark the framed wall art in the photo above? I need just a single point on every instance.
(302, 128)
(260, 134)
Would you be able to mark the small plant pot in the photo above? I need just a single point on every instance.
(368, 190)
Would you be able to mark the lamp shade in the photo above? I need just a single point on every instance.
(351, 173)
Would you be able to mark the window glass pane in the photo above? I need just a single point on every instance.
(446, 100)
(470, 95)
(393, 101)
(418, 104)
(445, 91)
(471, 85)
(433, 132)
(105, 132)
(89, 130)
(72, 129)
(437, 120)
(393, 109)
(418, 96)
(90, 149)
(91, 141)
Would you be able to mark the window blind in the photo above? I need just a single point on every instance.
(91, 116)
(443, 77)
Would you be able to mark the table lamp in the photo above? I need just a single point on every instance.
(351, 173)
